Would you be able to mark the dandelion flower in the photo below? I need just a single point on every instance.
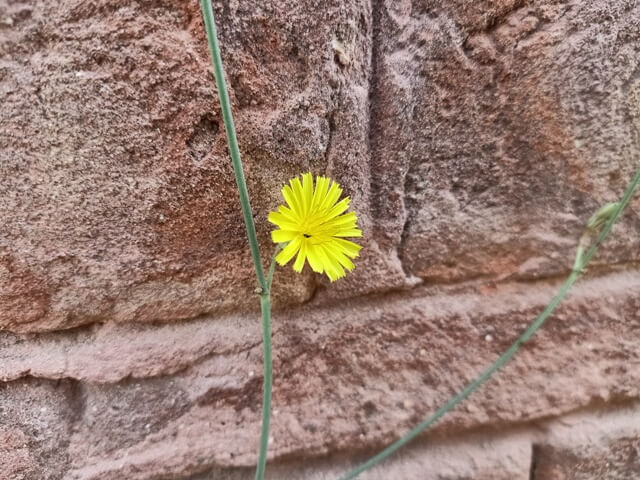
(314, 226)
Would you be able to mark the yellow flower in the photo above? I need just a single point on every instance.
(313, 225)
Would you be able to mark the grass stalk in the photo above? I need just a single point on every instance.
(581, 261)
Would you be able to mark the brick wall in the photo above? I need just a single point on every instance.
(475, 139)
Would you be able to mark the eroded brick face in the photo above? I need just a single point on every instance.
(475, 139)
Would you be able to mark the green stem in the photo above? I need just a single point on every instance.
(265, 304)
(225, 104)
(263, 283)
(504, 358)
(582, 259)
(626, 198)
(272, 267)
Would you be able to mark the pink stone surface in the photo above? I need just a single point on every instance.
(475, 139)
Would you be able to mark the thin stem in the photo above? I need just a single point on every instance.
(225, 104)
(454, 401)
(272, 267)
(265, 304)
(581, 261)
(264, 284)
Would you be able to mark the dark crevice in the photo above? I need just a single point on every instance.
(495, 22)
(404, 237)
(77, 401)
(203, 137)
(382, 206)
(246, 396)
(376, 13)
(535, 452)
(331, 121)
(316, 287)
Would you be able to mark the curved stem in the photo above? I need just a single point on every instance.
(626, 198)
(469, 389)
(581, 261)
(272, 267)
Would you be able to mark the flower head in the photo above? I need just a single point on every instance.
(314, 226)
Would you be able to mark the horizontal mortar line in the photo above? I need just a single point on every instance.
(141, 351)
(596, 419)
(428, 289)
(599, 269)
(424, 287)
(176, 370)
(536, 431)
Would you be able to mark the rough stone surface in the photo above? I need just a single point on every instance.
(603, 447)
(478, 456)
(473, 145)
(36, 420)
(475, 138)
(496, 134)
(117, 196)
(179, 398)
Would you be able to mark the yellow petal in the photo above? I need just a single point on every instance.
(335, 274)
(339, 256)
(314, 258)
(288, 213)
(333, 254)
(346, 246)
(291, 200)
(307, 192)
(320, 193)
(337, 209)
(302, 255)
(283, 236)
(296, 187)
(322, 254)
(332, 196)
(281, 221)
(343, 222)
(289, 251)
